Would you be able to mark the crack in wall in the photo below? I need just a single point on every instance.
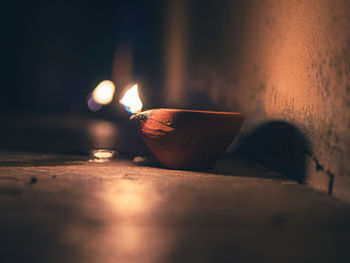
(320, 167)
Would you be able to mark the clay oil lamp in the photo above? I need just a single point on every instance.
(183, 139)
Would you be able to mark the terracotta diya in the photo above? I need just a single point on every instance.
(187, 139)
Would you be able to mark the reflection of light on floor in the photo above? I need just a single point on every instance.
(101, 155)
(135, 208)
(103, 134)
(131, 199)
(123, 223)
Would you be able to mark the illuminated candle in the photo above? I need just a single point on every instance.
(183, 139)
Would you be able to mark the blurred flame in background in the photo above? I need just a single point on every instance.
(131, 100)
(102, 95)
(103, 136)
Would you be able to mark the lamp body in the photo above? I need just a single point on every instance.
(188, 139)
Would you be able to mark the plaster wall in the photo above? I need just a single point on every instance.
(285, 61)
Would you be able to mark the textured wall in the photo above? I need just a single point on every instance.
(285, 65)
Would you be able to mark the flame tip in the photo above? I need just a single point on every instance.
(131, 100)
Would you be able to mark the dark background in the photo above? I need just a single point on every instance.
(54, 52)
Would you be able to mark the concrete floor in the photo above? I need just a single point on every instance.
(60, 208)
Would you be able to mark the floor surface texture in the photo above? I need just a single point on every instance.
(69, 208)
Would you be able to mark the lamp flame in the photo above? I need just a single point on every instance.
(104, 92)
(131, 100)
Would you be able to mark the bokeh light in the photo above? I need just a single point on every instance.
(104, 92)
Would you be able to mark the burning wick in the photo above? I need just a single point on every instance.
(131, 100)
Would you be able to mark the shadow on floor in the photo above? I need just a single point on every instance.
(279, 146)
(230, 165)
(276, 145)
